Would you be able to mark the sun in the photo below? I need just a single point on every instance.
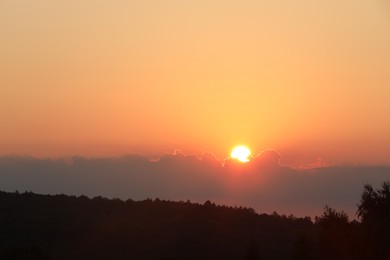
(241, 153)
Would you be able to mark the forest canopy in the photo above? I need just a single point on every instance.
(69, 227)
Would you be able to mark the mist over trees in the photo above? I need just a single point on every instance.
(68, 227)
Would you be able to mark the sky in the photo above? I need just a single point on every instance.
(104, 79)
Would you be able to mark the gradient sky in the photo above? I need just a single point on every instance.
(101, 78)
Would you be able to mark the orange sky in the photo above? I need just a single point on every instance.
(308, 78)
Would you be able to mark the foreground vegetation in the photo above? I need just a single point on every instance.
(67, 227)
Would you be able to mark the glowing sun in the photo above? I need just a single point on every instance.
(241, 153)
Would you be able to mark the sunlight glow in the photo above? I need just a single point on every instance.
(241, 153)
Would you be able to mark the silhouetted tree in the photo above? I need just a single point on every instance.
(374, 212)
(334, 238)
(375, 204)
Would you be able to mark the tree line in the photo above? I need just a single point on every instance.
(34, 226)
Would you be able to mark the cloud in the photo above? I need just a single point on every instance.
(263, 183)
